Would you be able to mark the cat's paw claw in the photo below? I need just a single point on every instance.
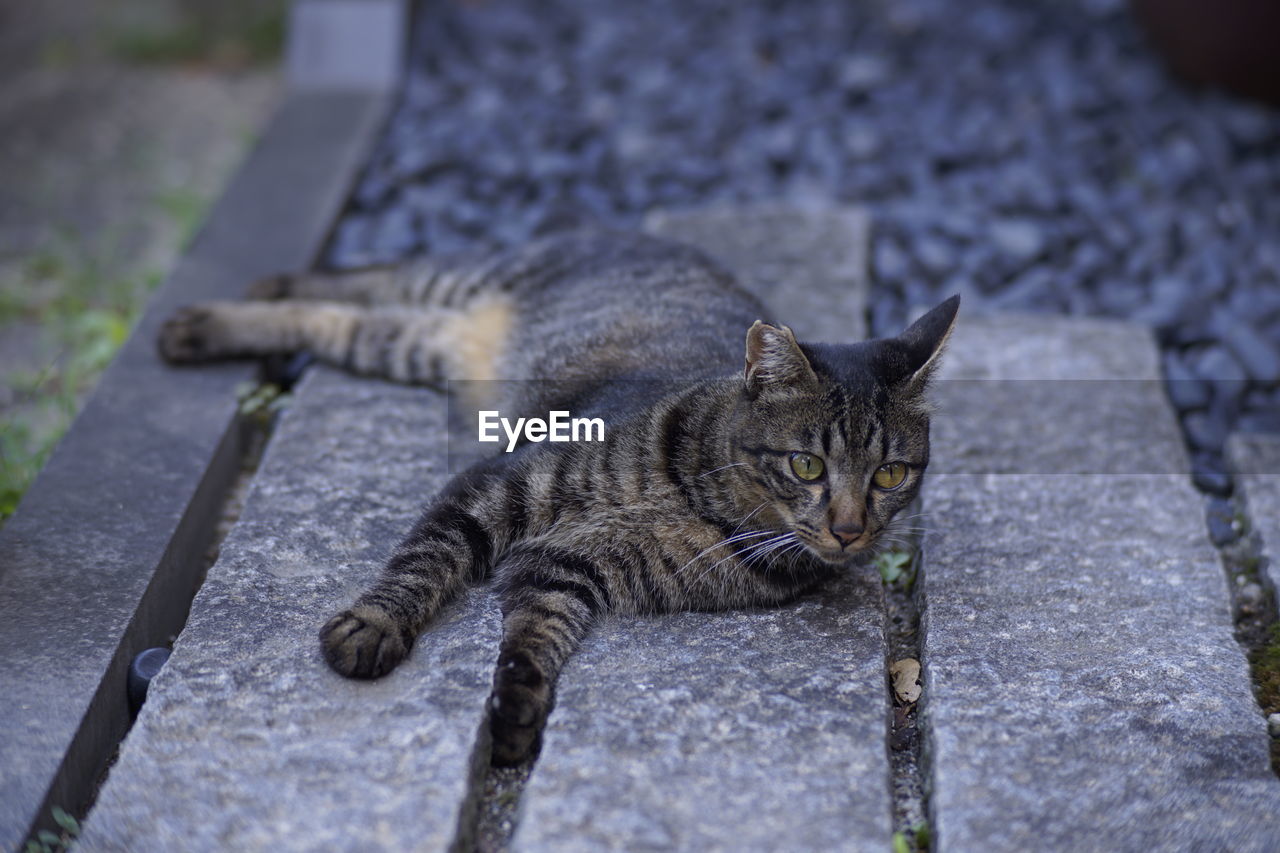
(271, 287)
(363, 643)
(187, 336)
(518, 709)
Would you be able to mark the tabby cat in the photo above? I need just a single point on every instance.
(715, 486)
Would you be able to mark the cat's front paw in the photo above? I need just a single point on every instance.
(518, 709)
(190, 335)
(364, 642)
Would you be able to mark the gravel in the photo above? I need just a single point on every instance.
(1033, 157)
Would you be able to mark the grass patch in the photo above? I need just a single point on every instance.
(85, 298)
(1266, 669)
(1265, 665)
(186, 208)
(231, 34)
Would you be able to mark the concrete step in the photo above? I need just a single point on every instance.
(247, 740)
(1082, 689)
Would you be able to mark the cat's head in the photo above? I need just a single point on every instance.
(834, 439)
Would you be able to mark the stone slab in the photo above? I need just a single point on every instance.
(102, 556)
(1082, 687)
(808, 264)
(346, 45)
(1255, 459)
(729, 731)
(754, 730)
(248, 741)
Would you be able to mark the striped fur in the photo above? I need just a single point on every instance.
(690, 502)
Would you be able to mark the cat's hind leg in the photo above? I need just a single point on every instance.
(365, 286)
(424, 346)
(448, 281)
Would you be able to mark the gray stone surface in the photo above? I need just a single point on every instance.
(808, 264)
(730, 731)
(101, 557)
(1082, 686)
(248, 741)
(346, 45)
(1255, 459)
(733, 731)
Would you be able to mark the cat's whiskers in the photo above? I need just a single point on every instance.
(752, 549)
(912, 517)
(792, 552)
(746, 517)
(763, 550)
(765, 555)
(750, 534)
(721, 468)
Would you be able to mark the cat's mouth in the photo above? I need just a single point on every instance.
(835, 555)
(837, 558)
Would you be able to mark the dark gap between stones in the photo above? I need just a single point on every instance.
(498, 805)
(903, 736)
(1254, 610)
(255, 430)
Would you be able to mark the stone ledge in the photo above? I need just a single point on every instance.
(101, 558)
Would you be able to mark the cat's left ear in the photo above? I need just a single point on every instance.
(774, 360)
(924, 340)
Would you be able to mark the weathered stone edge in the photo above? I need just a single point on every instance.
(276, 214)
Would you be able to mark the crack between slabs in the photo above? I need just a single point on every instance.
(1254, 613)
(903, 607)
(250, 433)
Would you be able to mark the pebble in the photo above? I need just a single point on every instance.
(1019, 238)
(1220, 517)
(891, 263)
(1218, 365)
(1259, 356)
(1205, 431)
(1209, 473)
(1251, 593)
(1187, 391)
(935, 255)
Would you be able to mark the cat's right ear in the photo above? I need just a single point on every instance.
(774, 359)
(925, 339)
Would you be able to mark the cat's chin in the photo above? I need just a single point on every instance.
(842, 559)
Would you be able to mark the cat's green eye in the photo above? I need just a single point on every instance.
(890, 476)
(806, 466)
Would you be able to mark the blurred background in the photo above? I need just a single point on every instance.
(120, 120)
(1090, 157)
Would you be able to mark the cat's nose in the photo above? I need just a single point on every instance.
(845, 533)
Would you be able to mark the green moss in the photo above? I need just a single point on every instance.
(1266, 672)
(228, 34)
(85, 305)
